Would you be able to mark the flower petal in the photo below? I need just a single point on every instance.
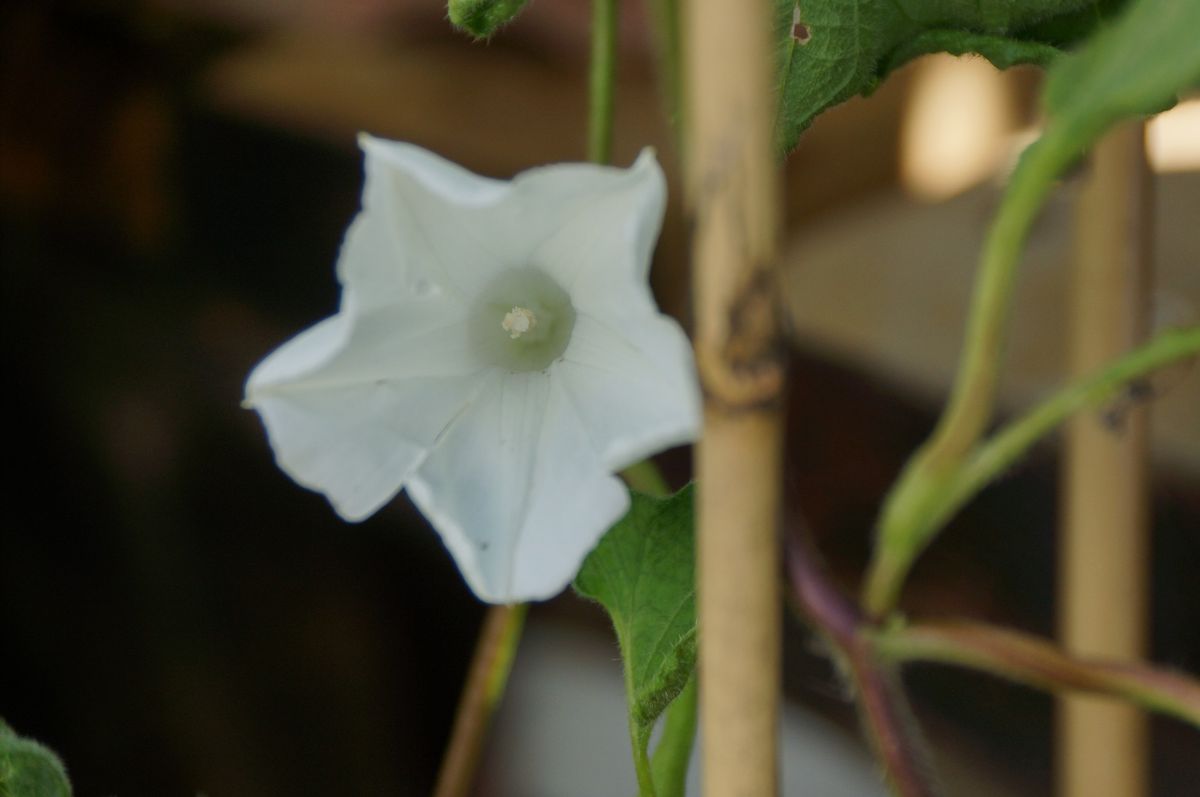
(435, 223)
(633, 386)
(602, 238)
(427, 337)
(428, 222)
(359, 446)
(516, 490)
(353, 405)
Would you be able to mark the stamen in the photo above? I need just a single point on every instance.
(518, 321)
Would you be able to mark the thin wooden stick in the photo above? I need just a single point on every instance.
(1103, 549)
(733, 193)
(480, 696)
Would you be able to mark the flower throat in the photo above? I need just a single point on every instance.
(522, 321)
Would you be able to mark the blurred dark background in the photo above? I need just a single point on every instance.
(177, 616)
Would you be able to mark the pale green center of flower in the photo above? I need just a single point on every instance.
(522, 321)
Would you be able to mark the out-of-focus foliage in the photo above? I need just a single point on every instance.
(482, 18)
(28, 769)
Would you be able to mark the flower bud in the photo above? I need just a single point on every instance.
(482, 18)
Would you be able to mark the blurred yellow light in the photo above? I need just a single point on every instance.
(1173, 139)
(955, 128)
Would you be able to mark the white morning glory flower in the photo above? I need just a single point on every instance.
(497, 353)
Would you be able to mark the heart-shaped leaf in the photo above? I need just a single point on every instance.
(832, 50)
(643, 574)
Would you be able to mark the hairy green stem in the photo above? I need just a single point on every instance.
(641, 756)
(602, 80)
(669, 764)
(1037, 663)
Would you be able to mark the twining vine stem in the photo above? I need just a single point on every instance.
(1034, 662)
(936, 500)
(602, 80)
(486, 680)
(879, 695)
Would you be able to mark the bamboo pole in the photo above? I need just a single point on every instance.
(1103, 547)
(733, 195)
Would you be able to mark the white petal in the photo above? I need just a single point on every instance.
(603, 238)
(634, 386)
(429, 223)
(302, 354)
(353, 405)
(425, 337)
(516, 490)
(359, 445)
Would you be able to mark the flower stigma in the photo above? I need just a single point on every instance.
(518, 321)
(536, 319)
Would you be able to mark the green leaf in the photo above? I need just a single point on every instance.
(852, 45)
(643, 574)
(1136, 66)
(27, 769)
(1066, 30)
(1002, 51)
(482, 18)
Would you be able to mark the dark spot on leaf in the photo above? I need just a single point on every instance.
(801, 34)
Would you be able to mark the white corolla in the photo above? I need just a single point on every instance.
(497, 353)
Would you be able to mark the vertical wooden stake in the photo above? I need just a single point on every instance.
(733, 194)
(1103, 550)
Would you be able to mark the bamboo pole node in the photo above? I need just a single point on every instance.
(733, 196)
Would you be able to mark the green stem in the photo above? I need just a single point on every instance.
(933, 498)
(490, 667)
(974, 392)
(645, 477)
(602, 80)
(670, 761)
(1036, 663)
(1005, 447)
(640, 741)
(912, 510)
(670, 65)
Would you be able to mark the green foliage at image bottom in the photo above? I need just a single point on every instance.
(27, 769)
(643, 574)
